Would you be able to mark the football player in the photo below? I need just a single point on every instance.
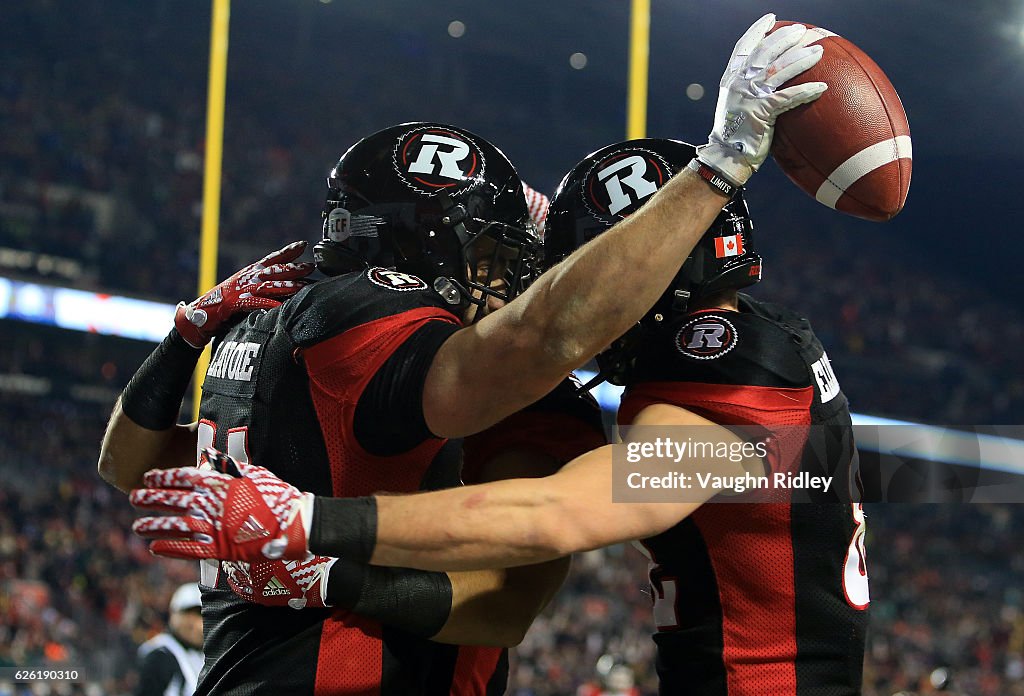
(750, 597)
(534, 442)
(549, 321)
(276, 379)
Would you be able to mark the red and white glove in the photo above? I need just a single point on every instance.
(261, 285)
(295, 584)
(251, 517)
(537, 203)
(749, 100)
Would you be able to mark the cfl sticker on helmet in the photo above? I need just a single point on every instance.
(395, 280)
(617, 185)
(706, 337)
(434, 159)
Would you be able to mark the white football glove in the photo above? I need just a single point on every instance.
(747, 101)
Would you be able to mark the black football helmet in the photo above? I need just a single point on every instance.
(614, 182)
(432, 200)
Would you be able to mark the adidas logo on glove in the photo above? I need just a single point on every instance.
(275, 587)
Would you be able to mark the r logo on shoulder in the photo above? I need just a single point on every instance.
(706, 337)
(395, 280)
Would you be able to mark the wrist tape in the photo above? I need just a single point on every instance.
(344, 528)
(417, 601)
(714, 178)
(153, 396)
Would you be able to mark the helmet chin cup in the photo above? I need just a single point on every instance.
(449, 290)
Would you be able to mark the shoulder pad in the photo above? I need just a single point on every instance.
(332, 306)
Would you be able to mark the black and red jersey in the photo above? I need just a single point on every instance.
(561, 426)
(326, 391)
(763, 599)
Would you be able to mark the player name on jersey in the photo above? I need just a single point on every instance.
(234, 360)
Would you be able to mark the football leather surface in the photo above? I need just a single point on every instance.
(850, 149)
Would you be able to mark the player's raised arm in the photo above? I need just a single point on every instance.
(580, 306)
(142, 432)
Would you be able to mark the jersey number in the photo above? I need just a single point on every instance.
(238, 441)
(855, 578)
(238, 449)
(855, 567)
(665, 616)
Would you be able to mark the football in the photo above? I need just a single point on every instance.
(850, 149)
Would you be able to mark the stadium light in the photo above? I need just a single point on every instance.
(456, 29)
(128, 317)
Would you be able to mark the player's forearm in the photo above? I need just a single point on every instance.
(577, 308)
(496, 525)
(480, 607)
(129, 450)
(142, 432)
(497, 607)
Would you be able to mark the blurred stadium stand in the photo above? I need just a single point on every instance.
(101, 142)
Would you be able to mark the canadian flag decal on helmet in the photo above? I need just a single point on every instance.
(432, 159)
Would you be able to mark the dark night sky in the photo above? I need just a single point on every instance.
(959, 69)
(958, 66)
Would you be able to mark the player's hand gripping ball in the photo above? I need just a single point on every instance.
(752, 95)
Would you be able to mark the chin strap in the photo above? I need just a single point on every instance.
(615, 363)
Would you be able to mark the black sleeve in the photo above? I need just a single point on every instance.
(418, 602)
(561, 426)
(389, 416)
(156, 672)
(152, 398)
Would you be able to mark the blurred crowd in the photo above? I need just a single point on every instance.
(906, 340)
(103, 166)
(77, 588)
